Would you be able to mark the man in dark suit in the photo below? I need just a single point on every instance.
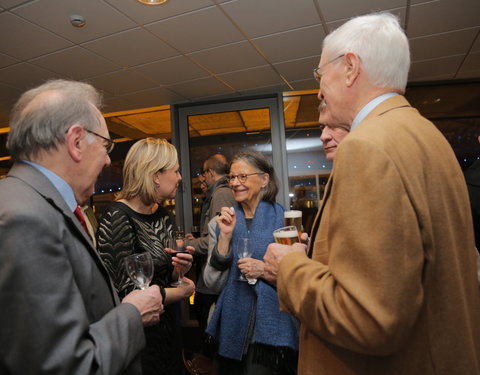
(217, 195)
(389, 285)
(59, 313)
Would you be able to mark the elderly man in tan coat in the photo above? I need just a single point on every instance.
(389, 285)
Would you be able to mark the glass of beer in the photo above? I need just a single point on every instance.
(294, 217)
(286, 235)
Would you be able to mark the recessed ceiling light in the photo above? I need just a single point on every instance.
(152, 2)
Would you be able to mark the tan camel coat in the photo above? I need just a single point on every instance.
(392, 286)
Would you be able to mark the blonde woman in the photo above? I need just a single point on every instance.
(136, 222)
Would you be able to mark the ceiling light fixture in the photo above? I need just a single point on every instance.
(77, 20)
(152, 2)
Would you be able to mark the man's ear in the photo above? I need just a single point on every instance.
(74, 140)
(353, 67)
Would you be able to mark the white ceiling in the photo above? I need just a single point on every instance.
(191, 50)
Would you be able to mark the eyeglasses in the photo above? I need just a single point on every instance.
(204, 171)
(316, 72)
(108, 144)
(241, 177)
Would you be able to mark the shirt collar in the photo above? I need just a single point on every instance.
(60, 184)
(369, 107)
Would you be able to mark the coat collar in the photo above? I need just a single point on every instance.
(397, 101)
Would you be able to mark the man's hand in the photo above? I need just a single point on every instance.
(274, 255)
(148, 302)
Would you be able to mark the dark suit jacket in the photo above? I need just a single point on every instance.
(472, 176)
(392, 286)
(59, 313)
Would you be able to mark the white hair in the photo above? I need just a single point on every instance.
(381, 44)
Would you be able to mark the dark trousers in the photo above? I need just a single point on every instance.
(202, 304)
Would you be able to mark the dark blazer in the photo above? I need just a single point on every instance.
(59, 313)
(392, 285)
(472, 176)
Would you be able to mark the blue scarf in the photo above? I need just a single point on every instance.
(243, 308)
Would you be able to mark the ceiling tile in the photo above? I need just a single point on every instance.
(300, 69)
(259, 18)
(10, 3)
(151, 98)
(197, 30)
(470, 67)
(7, 60)
(334, 10)
(227, 58)
(173, 70)
(25, 76)
(476, 44)
(304, 84)
(445, 67)
(399, 12)
(39, 41)
(122, 82)
(293, 44)
(132, 47)
(445, 44)
(144, 14)
(114, 104)
(54, 15)
(76, 62)
(442, 16)
(201, 88)
(265, 90)
(252, 78)
(7, 91)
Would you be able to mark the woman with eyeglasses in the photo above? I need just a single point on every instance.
(253, 336)
(135, 223)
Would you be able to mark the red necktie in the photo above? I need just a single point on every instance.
(79, 214)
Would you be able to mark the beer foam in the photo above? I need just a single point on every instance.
(292, 214)
(286, 234)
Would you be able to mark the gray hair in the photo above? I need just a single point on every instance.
(381, 44)
(42, 116)
(257, 160)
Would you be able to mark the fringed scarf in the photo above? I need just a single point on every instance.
(243, 308)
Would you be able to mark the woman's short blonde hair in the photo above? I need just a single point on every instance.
(145, 158)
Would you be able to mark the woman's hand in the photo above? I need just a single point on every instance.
(182, 261)
(226, 221)
(187, 288)
(251, 268)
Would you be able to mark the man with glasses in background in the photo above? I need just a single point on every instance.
(59, 311)
(218, 195)
(389, 285)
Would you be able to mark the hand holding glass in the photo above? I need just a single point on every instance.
(140, 269)
(244, 250)
(177, 244)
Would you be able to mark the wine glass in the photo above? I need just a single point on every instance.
(177, 244)
(140, 269)
(244, 250)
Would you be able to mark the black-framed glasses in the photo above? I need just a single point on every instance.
(316, 72)
(241, 177)
(108, 144)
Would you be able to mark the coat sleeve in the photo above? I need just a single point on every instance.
(57, 314)
(363, 288)
(222, 197)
